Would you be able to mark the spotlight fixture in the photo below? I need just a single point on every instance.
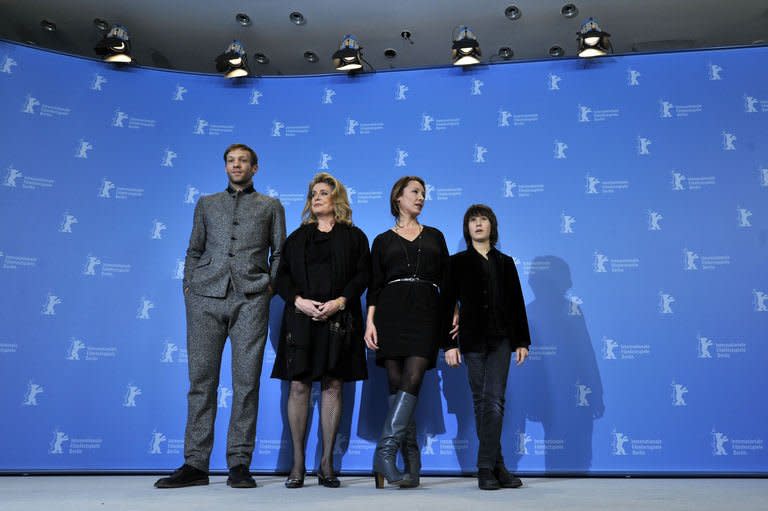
(556, 51)
(593, 42)
(48, 25)
(569, 11)
(233, 62)
(260, 58)
(243, 19)
(505, 52)
(466, 49)
(390, 53)
(349, 56)
(311, 56)
(513, 12)
(297, 18)
(115, 46)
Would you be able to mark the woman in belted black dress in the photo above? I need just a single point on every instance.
(407, 322)
(323, 271)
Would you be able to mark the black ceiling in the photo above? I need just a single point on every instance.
(187, 35)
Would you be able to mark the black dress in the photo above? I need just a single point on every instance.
(321, 266)
(411, 318)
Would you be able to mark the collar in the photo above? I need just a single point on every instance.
(247, 189)
(491, 253)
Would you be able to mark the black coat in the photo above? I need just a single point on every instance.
(466, 286)
(350, 267)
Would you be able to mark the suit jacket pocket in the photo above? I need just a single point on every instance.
(204, 262)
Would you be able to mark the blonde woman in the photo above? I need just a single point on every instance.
(323, 272)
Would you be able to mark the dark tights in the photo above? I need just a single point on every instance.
(406, 374)
(330, 416)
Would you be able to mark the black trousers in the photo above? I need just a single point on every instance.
(487, 374)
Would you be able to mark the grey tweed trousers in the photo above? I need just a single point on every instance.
(210, 321)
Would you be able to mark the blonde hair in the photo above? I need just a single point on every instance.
(341, 210)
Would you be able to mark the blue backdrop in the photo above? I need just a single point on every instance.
(632, 192)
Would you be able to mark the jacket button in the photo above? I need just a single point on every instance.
(233, 238)
(235, 222)
(231, 254)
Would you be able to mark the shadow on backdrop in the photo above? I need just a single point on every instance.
(560, 385)
(458, 399)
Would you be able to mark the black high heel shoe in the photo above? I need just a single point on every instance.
(295, 482)
(329, 482)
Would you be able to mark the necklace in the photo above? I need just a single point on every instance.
(398, 227)
(405, 250)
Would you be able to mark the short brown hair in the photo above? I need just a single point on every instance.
(481, 210)
(341, 210)
(254, 157)
(397, 191)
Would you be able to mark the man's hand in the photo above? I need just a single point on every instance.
(455, 324)
(453, 357)
(520, 355)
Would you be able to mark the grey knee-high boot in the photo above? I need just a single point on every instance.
(410, 451)
(411, 455)
(385, 457)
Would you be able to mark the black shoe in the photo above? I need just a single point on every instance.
(240, 477)
(186, 475)
(295, 481)
(486, 480)
(506, 480)
(329, 482)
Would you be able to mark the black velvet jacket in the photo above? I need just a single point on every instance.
(466, 286)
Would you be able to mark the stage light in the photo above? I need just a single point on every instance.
(348, 56)
(261, 58)
(506, 53)
(556, 51)
(115, 46)
(311, 56)
(466, 49)
(593, 42)
(233, 62)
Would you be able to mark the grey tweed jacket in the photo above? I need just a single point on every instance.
(237, 236)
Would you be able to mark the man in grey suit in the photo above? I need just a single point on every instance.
(231, 262)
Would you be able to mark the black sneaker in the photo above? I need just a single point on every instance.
(506, 480)
(186, 475)
(486, 480)
(240, 477)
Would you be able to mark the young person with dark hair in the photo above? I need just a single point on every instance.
(490, 326)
